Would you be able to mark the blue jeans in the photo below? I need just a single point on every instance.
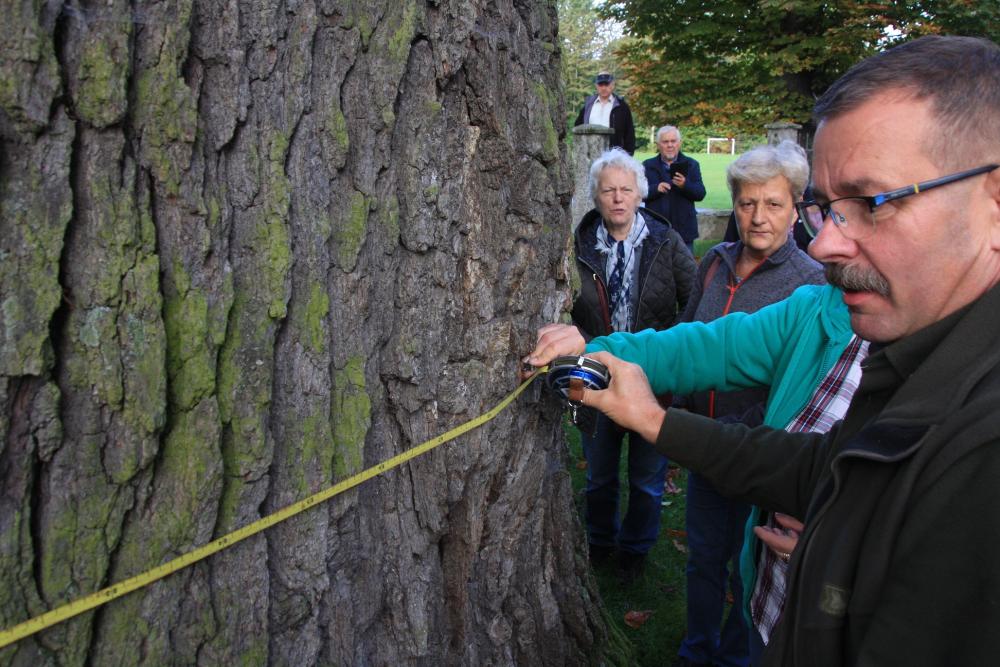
(715, 537)
(647, 471)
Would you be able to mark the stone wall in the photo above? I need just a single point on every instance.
(712, 222)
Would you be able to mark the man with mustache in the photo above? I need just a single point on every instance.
(899, 561)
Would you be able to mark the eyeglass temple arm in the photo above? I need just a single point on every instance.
(908, 190)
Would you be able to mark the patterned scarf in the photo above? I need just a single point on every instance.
(620, 267)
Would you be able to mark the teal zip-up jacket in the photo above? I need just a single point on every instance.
(790, 345)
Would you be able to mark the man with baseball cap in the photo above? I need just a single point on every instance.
(606, 108)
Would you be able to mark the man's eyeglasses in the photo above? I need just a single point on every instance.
(855, 216)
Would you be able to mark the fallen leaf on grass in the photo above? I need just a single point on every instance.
(673, 532)
(581, 464)
(671, 488)
(636, 619)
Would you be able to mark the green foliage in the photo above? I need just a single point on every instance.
(736, 65)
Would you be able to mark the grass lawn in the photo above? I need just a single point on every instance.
(661, 588)
(713, 172)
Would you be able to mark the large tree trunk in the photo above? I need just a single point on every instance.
(247, 249)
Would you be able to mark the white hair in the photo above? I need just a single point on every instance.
(618, 159)
(668, 128)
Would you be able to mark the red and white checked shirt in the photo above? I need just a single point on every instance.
(827, 406)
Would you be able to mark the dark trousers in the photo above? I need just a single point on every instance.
(715, 538)
(647, 471)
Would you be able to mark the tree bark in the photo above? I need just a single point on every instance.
(246, 250)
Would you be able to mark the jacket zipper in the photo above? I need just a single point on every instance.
(602, 299)
(732, 287)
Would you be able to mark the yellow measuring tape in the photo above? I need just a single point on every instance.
(80, 605)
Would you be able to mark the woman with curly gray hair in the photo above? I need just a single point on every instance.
(763, 267)
(636, 273)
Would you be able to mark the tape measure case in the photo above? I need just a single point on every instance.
(562, 370)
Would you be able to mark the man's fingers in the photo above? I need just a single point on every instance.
(788, 522)
(777, 541)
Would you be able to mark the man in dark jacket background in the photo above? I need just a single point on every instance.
(674, 184)
(607, 109)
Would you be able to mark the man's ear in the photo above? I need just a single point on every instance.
(993, 190)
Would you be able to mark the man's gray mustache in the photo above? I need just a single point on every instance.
(856, 278)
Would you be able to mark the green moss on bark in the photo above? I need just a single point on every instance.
(336, 139)
(101, 95)
(550, 138)
(166, 109)
(389, 218)
(36, 204)
(311, 321)
(351, 417)
(272, 235)
(350, 234)
(74, 559)
(276, 250)
(402, 36)
(143, 339)
(190, 362)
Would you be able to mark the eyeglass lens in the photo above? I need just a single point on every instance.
(854, 217)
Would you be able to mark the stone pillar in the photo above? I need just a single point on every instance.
(778, 132)
(712, 222)
(589, 141)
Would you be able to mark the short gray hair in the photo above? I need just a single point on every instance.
(763, 163)
(668, 128)
(618, 159)
(958, 76)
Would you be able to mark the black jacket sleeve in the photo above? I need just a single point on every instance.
(762, 466)
(685, 272)
(628, 130)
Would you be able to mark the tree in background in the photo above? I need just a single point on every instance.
(737, 65)
(589, 45)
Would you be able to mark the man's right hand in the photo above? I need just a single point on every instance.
(628, 401)
(555, 340)
(664, 186)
